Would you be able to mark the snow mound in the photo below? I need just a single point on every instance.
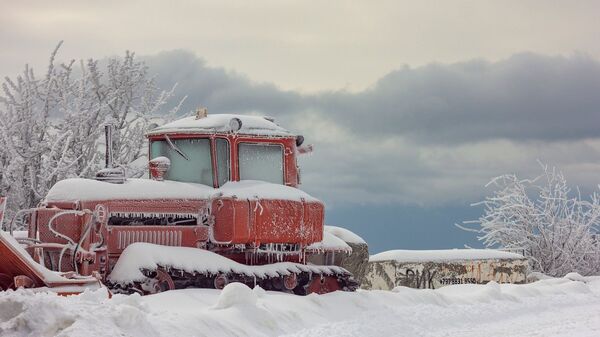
(26, 313)
(236, 294)
(443, 255)
(344, 234)
(537, 276)
(575, 277)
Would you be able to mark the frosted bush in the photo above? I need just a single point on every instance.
(51, 127)
(555, 229)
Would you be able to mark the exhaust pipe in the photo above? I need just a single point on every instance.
(110, 173)
(108, 152)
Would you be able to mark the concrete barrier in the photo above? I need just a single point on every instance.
(435, 269)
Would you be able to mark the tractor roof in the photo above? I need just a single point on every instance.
(220, 123)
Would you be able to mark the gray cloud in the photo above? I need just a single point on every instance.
(525, 97)
(220, 90)
(428, 135)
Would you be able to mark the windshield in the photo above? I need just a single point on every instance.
(190, 159)
(261, 162)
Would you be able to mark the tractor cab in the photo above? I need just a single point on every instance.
(214, 149)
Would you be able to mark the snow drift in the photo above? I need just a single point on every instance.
(549, 307)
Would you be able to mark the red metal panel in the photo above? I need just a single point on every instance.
(278, 221)
(231, 221)
(224, 226)
(267, 221)
(68, 224)
(313, 222)
(240, 221)
(13, 264)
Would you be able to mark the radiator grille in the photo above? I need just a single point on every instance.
(165, 238)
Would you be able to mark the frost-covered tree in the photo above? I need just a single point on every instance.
(33, 156)
(51, 128)
(556, 229)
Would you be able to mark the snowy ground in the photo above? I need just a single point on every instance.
(553, 307)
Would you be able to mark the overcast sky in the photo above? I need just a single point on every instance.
(303, 45)
(412, 106)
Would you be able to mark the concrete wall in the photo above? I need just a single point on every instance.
(386, 275)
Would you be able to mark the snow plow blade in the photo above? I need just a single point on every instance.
(19, 270)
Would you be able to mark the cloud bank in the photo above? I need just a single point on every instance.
(428, 135)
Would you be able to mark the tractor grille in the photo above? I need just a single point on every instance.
(159, 237)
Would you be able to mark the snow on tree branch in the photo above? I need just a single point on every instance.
(52, 128)
(557, 231)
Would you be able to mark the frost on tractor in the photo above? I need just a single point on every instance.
(221, 205)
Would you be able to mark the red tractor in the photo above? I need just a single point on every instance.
(221, 205)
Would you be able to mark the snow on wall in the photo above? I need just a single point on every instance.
(442, 255)
(144, 189)
(219, 123)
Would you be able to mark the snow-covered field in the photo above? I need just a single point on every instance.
(551, 307)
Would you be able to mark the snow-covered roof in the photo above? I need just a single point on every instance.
(219, 123)
(442, 255)
(145, 189)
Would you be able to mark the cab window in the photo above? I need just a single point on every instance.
(261, 162)
(222, 151)
(190, 159)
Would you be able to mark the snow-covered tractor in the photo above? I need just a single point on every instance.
(221, 205)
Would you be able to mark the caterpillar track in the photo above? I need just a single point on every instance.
(217, 271)
(299, 283)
